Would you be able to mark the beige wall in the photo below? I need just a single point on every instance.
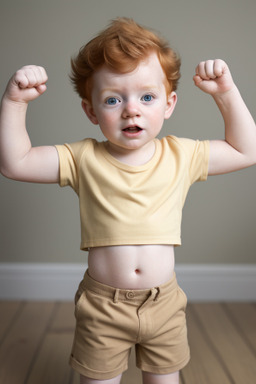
(40, 223)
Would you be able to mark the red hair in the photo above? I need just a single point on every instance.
(121, 47)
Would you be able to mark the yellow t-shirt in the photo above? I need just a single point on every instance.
(127, 205)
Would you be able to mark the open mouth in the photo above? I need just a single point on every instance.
(133, 129)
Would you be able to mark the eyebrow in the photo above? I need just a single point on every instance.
(111, 90)
(117, 90)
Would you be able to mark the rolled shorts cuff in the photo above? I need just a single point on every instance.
(93, 374)
(160, 370)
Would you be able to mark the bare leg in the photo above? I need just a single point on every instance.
(150, 378)
(86, 380)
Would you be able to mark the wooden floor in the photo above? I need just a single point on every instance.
(35, 342)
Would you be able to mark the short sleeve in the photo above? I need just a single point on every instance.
(197, 155)
(199, 161)
(69, 159)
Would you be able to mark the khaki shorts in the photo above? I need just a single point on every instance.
(110, 321)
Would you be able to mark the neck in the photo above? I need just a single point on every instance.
(134, 157)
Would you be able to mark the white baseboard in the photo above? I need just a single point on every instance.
(59, 281)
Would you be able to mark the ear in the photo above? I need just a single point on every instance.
(171, 103)
(89, 111)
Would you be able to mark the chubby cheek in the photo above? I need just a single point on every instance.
(156, 121)
(107, 123)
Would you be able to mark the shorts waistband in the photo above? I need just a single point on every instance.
(136, 295)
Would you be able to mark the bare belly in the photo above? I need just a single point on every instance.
(132, 267)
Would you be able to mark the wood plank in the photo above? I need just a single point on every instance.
(21, 343)
(204, 366)
(51, 365)
(9, 310)
(64, 319)
(231, 347)
(244, 317)
(52, 362)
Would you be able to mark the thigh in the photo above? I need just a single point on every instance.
(150, 378)
(86, 380)
(165, 348)
(103, 338)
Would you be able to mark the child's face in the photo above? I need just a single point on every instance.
(130, 108)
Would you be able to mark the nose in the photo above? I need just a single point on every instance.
(131, 109)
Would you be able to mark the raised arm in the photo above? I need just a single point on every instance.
(238, 150)
(18, 159)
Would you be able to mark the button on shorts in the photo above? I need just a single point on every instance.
(110, 321)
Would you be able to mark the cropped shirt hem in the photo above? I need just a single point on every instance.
(117, 242)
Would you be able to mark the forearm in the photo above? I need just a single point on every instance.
(240, 131)
(14, 139)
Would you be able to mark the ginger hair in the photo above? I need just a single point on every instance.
(121, 47)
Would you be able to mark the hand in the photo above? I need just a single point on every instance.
(213, 77)
(26, 84)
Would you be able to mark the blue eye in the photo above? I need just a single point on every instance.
(147, 98)
(112, 101)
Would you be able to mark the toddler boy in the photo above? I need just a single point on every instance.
(131, 190)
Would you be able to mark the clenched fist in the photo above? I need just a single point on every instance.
(213, 77)
(26, 84)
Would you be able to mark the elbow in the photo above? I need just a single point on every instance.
(8, 172)
(3, 171)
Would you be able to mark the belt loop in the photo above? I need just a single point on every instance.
(116, 296)
(156, 293)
